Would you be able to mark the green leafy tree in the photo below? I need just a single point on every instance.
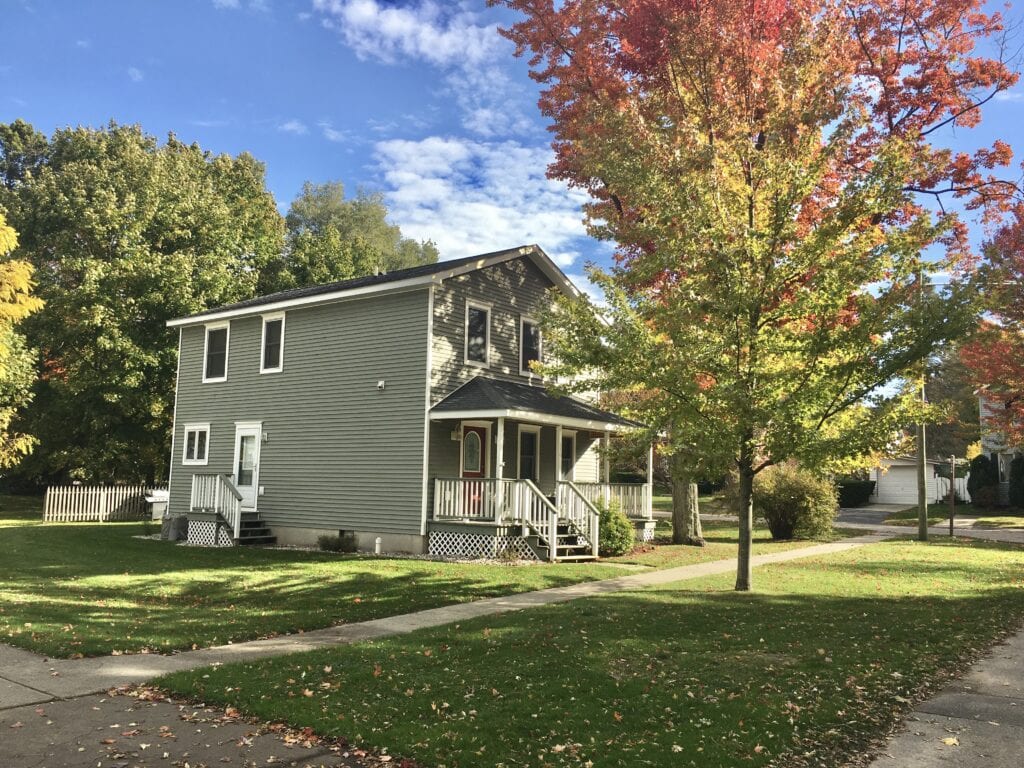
(333, 238)
(949, 387)
(17, 369)
(124, 233)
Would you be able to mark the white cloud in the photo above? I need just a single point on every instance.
(1013, 95)
(136, 75)
(203, 123)
(333, 134)
(293, 126)
(83, 43)
(451, 37)
(472, 197)
(231, 5)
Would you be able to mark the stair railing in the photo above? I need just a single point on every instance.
(539, 514)
(574, 505)
(217, 493)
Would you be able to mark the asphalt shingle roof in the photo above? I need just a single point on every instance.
(484, 394)
(359, 282)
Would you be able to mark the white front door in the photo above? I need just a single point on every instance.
(247, 462)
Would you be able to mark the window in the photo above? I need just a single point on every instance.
(529, 345)
(529, 453)
(478, 334)
(215, 366)
(471, 452)
(197, 443)
(568, 455)
(272, 360)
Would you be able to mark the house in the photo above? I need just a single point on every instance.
(401, 408)
(896, 482)
(993, 442)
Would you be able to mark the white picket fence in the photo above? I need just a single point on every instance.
(942, 488)
(95, 503)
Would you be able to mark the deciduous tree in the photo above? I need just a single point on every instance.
(333, 238)
(124, 233)
(768, 171)
(17, 369)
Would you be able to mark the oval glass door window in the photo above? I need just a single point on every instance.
(471, 452)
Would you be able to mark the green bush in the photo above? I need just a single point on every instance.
(795, 502)
(984, 474)
(345, 542)
(616, 535)
(855, 493)
(1017, 481)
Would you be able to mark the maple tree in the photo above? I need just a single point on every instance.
(995, 355)
(769, 172)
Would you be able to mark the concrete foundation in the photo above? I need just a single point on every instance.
(365, 540)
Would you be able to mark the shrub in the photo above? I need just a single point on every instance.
(986, 497)
(616, 534)
(795, 502)
(855, 493)
(1017, 481)
(344, 542)
(984, 474)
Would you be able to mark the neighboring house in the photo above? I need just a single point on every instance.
(401, 408)
(994, 445)
(896, 482)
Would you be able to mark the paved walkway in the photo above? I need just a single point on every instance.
(976, 722)
(28, 679)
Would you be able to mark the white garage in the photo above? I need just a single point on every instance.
(896, 482)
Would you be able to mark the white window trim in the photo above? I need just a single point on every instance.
(486, 447)
(519, 450)
(227, 349)
(198, 427)
(465, 332)
(263, 342)
(523, 319)
(570, 433)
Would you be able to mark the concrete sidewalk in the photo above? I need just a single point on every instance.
(1007, 535)
(976, 722)
(29, 679)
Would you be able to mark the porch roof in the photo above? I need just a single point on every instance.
(484, 398)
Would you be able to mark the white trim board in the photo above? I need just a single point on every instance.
(531, 416)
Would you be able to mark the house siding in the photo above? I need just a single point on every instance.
(339, 454)
(512, 289)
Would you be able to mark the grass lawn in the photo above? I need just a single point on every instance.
(91, 589)
(826, 656)
(936, 514)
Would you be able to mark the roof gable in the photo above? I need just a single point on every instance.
(399, 280)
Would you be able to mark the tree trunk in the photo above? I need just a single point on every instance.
(685, 510)
(746, 515)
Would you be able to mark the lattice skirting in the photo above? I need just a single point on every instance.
(207, 533)
(475, 546)
(645, 534)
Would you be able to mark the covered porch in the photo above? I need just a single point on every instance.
(517, 471)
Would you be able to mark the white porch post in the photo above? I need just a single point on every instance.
(649, 501)
(606, 459)
(558, 455)
(499, 464)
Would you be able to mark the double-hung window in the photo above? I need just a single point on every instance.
(196, 445)
(215, 358)
(272, 356)
(478, 334)
(529, 345)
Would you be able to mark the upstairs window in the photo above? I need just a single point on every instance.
(215, 366)
(529, 345)
(197, 441)
(478, 334)
(272, 360)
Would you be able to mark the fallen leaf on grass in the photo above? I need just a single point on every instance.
(951, 741)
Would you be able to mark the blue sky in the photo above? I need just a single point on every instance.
(422, 101)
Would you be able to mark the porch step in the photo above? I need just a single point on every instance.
(253, 531)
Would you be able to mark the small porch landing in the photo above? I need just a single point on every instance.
(216, 517)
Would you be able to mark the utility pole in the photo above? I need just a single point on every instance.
(922, 462)
(952, 493)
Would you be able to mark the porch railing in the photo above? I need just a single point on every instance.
(634, 499)
(480, 499)
(583, 514)
(217, 493)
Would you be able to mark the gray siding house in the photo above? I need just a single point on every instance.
(401, 408)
